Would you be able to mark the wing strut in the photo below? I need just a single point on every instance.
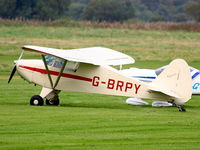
(60, 74)
(48, 72)
(53, 86)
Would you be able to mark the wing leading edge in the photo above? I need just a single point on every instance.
(92, 55)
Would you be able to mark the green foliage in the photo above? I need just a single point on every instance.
(75, 10)
(82, 1)
(100, 10)
(141, 11)
(109, 10)
(7, 8)
(33, 9)
(148, 10)
(193, 9)
(168, 10)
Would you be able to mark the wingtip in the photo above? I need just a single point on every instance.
(23, 47)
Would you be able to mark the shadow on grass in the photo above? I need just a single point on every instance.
(81, 104)
(120, 106)
(126, 107)
(103, 106)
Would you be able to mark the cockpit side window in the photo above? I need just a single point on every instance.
(72, 66)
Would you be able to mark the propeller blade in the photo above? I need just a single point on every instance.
(22, 53)
(15, 67)
(12, 73)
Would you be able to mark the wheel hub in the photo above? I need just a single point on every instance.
(35, 102)
(51, 102)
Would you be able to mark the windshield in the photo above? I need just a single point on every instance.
(49, 60)
(57, 63)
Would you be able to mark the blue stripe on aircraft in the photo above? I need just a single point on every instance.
(196, 74)
(144, 77)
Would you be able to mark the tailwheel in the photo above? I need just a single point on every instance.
(36, 100)
(54, 101)
(181, 108)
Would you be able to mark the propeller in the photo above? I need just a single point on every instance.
(15, 67)
(12, 73)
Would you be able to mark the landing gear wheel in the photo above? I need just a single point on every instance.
(182, 109)
(36, 100)
(55, 101)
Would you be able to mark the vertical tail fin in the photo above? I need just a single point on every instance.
(174, 81)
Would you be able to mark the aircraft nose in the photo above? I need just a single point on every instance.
(15, 62)
(22, 70)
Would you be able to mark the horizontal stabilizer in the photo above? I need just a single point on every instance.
(164, 91)
(175, 81)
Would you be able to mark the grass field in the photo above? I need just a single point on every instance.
(89, 121)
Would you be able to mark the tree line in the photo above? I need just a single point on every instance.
(102, 10)
(34, 9)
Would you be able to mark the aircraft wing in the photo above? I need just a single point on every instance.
(92, 55)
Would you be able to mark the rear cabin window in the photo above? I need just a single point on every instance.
(57, 63)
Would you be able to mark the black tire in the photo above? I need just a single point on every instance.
(36, 100)
(54, 102)
(182, 109)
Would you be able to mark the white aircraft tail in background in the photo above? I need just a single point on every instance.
(195, 73)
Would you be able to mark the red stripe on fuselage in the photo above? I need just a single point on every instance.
(66, 75)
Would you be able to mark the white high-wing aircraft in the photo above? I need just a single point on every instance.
(89, 70)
